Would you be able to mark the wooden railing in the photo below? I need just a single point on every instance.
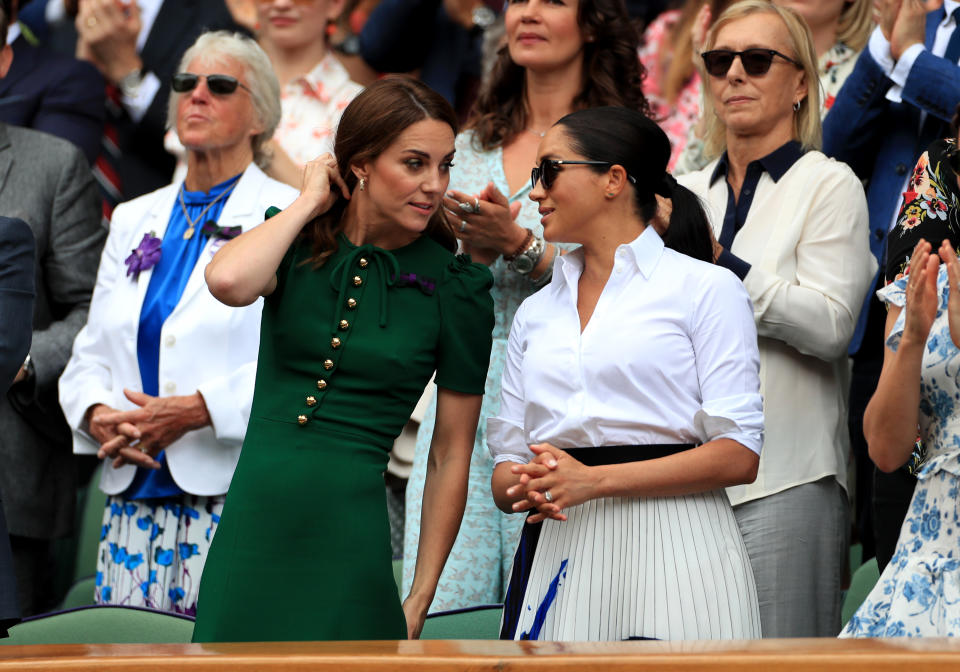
(787, 655)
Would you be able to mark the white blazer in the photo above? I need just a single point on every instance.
(205, 345)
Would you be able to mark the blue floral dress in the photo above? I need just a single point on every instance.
(918, 593)
(479, 564)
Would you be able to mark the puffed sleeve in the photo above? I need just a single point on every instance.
(466, 331)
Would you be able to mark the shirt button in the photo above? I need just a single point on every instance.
(170, 388)
(357, 281)
(363, 262)
(344, 325)
(901, 169)
(301, 420)
(311, 401)
(878, 234)
(335, 342)
(170, 341)
(328, 364)
(321, 384)
(351, 303)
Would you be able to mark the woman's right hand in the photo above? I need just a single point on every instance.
(921, 294)
(321, 183)
(953, 303)
(698, 35)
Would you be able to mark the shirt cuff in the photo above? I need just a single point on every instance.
(905, 64)
(138, 105)
(880, 50)
(730, 261)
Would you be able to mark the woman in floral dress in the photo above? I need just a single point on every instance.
(918, 593)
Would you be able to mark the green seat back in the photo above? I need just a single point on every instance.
(80, 594)
(475, 623)
(103, 625)
(88, 538)
(861, 584)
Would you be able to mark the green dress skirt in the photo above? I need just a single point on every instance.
(302, 551)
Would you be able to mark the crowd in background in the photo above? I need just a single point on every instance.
(802, 126)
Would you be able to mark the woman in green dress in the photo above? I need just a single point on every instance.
(364, 300)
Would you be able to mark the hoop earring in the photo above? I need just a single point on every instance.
(796, 106)
(363, 183)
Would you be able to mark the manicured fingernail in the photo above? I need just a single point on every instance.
(552, 463)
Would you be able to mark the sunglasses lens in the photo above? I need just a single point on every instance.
(756, 61)
(183, 82)
(717, 62)
(222, 84)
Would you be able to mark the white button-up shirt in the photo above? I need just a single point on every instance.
(668, 356)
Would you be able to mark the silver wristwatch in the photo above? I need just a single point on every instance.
(527, 260)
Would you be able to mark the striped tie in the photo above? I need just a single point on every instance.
(105, 168)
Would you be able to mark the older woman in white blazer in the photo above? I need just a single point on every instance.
(160, 381)
(792, 224)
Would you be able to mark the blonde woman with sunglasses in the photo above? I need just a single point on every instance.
(792, 224)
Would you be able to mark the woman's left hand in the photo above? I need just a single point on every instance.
(492, 228)
(953, 303)
(155, 425)
(415, 612)
(569, 482)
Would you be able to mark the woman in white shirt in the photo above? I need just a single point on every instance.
(792, 224)
(634, 352)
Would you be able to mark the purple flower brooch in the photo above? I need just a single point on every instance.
(145, 256)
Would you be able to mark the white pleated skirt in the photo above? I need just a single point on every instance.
(622, 568)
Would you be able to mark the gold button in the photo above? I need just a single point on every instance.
(335, 342)
(357, 281)
(321, 384)
(363, 262)
(328, 364)
(311, 401)
(351, 303)
(344, 325)
(301, 420)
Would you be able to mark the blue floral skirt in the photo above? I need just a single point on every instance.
(918, 594)
(151, 552)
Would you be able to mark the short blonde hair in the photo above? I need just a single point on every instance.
(262, 81)
(806, 121)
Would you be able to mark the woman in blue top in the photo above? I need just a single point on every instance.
(161, 378)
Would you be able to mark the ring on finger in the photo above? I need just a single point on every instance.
(143, 448)
(468, 208)
(547, 496)
(463, 225)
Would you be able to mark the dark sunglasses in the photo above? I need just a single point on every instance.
(221, 85)
(755, 62)
(548, 170)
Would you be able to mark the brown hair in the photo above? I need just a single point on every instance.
(369, 125)
(612, 75)
(676, 52)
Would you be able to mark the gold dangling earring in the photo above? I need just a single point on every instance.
(363, 183)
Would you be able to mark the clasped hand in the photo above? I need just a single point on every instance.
(921, 292)
(569, 482)
(137, 436)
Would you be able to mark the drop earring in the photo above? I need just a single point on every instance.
(363, 183)
(796, 106)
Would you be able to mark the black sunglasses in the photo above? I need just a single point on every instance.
(221, 85)
(548, 170)
(755, 61)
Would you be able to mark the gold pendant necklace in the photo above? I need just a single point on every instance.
(192, 223)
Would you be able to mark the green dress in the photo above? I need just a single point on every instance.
(302, 551)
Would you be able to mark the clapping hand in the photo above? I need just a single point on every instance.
(921, 291)
(953, 304)
(909, 26)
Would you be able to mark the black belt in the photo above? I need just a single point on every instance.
(593, 457)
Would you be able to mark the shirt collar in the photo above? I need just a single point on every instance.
(327, 76)
(949, 6)
(645, 251)
(776, 163)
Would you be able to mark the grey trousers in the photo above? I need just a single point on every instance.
(797, 542)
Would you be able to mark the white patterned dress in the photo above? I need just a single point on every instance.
(918, 594)
(479, 564)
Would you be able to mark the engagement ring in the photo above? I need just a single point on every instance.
(547, 496)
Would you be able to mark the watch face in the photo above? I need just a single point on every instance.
(523, 264)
